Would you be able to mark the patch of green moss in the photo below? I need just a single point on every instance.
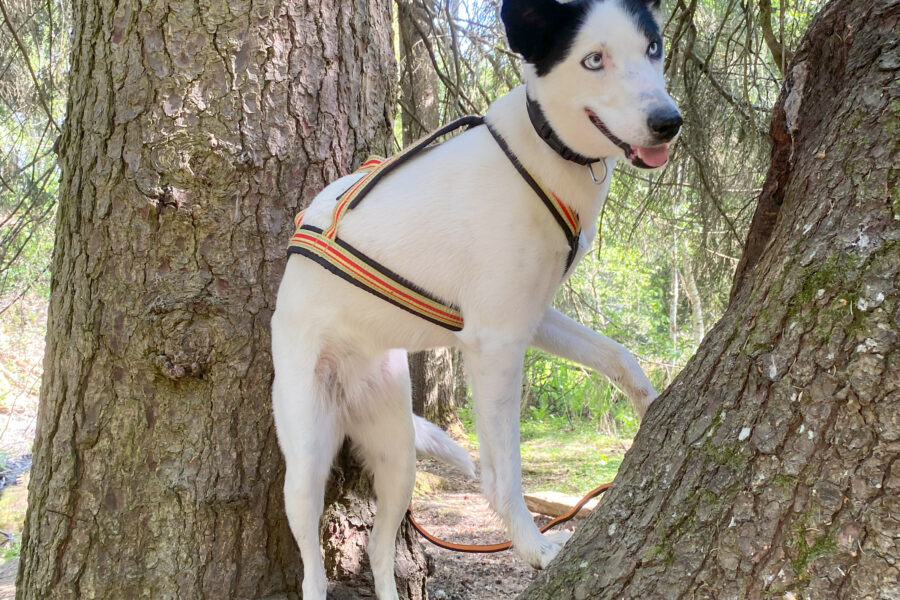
(802, 552)
(784, 481)
(663, 552)
(826, 275)
(709, 497)
(717, 420)
(729, 455)
(806, 554)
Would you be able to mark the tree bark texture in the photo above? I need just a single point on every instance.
(434, 386)
(432, 371)
(420, 111)
(769, 468)
(195, 132)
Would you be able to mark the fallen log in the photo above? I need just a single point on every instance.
(554, 504)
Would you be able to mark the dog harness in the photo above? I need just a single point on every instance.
(327, 249)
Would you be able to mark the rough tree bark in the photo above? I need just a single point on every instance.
(195, 131)
(769, 469)
(420, 111)
(432, 372)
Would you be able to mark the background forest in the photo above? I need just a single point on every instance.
(670, 240)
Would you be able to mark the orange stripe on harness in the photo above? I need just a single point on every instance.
(360, 270)
(339, 257)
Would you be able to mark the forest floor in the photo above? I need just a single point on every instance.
(557, 455)
(571, 460)
(22, 328)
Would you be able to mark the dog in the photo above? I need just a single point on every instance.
(462, 221)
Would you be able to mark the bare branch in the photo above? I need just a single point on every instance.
(24, 53)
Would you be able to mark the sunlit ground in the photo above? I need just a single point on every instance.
(567, 457)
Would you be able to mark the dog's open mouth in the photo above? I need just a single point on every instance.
(645, 157)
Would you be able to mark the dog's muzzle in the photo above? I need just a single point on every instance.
(644, 157)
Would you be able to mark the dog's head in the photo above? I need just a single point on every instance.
(595, 68)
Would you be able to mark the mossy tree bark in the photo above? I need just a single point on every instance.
(769, 468)
(195, 131)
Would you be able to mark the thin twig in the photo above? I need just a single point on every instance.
(37, 85)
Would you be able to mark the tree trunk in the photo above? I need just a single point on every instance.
(195, 131)
(420, 111)
(434, 386)
(431, 372)
(769, 468)
(689, 283)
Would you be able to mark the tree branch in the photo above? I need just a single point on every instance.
(24, 52)
(779, 54)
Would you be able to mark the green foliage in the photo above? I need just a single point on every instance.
(562, 456)
(10, 550)
(561, 392)
(33, 56)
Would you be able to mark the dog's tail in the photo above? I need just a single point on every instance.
(432, 441)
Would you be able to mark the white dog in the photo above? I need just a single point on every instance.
(462, 222)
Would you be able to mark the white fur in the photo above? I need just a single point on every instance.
(460, 222)
(432, 441)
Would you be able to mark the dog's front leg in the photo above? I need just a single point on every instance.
(560, 335)
(495, 369)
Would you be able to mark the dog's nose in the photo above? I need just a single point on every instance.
(664, 124)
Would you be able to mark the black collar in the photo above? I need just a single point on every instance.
(546, 133)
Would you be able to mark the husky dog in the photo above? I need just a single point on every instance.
(460, 221)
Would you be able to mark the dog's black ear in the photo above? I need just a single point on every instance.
(541, 30)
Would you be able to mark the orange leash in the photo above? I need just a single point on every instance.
(488, 548)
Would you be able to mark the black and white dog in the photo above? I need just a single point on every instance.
(460, 221)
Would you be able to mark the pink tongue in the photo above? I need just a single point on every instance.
(654, 156)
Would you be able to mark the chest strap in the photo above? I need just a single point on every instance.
(565, 217)
(328, 250)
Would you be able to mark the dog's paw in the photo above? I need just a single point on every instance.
(634, 382)
(540, 553)
(642, 397)
(559, 537)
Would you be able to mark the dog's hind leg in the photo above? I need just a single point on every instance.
(309, 434)
(381, 429)
(495, 369)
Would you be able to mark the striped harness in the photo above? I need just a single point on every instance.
(327, 249)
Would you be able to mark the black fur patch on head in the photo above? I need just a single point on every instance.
(641, 12)
(542, 31)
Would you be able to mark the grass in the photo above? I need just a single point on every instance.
(13, 502)
(559, 455)
(571, 458)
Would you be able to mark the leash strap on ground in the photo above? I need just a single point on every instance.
(337, 256)
(500, 547)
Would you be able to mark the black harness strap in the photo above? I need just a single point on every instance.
(571, 237)
(468, 122)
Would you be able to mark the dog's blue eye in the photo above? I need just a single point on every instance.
(654, 50)
(593, 61)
